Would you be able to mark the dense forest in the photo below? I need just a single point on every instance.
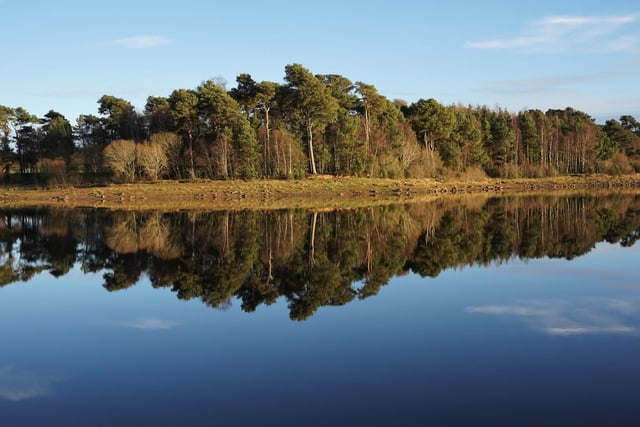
(309, 124)
(310, 258)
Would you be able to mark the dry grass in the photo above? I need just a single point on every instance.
(326, 192)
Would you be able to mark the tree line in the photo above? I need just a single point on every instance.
(309, 124)
(312, 259)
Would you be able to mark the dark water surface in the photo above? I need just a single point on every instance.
(497, 312)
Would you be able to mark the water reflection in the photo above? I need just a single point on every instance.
(149, 324)
(17, 385)
(571, 317)
(319, 258)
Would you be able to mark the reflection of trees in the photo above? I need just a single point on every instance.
(34, 241)
(312, 259)
(132, 232)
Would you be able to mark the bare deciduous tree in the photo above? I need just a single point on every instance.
(120, 158)
(172, 146)
(152, 160)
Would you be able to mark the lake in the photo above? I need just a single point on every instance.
(496, 311)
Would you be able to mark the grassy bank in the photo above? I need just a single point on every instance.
(317, 192)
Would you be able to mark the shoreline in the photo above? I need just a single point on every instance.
(313, 192)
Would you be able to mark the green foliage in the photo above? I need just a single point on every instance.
(7, 156)
(308, 97)
(432, 122)
(605, 146)
(326, 123)
(228, 134)
(341, 152)
(245, 93)
(502, 138)
(184, 111)
(121, 119)
(58, 137)
(28, 139)
(158, 115)
(623, 136)
(530, 136)
(438, 128)
(468, 137)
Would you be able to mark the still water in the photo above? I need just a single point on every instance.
(504, 311)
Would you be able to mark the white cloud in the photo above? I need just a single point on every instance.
(518, 42)
(140, 42)
(16, 385)
(558, 34)
(590, 90)
(505, 310)
(149, 324)
(624, 44)
(585, 20)
(552, 84)
(564, 317)
(581, 330)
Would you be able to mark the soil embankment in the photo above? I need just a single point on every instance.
(320, 192)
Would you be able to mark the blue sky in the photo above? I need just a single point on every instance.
(64, 55)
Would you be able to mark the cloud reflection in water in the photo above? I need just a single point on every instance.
(17, 385)
(149, 324)
(565, 317)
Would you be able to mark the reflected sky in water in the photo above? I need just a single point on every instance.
(517, 342)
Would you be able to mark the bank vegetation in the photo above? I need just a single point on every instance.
(309, 125)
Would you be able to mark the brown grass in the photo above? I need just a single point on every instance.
(326, 192)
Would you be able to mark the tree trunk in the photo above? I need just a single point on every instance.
(276, 146)
(225, 157)
(193, 169)
(542, 159)
(226, 233)
(267, 140)
(269, 252)
(312, 240)
(367, 129)
(290, 158)
(312, 160)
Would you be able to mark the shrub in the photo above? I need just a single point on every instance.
(120, 158)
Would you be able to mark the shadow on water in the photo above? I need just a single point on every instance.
(311, 258)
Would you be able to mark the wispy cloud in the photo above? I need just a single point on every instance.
(580, 330)
(553, 84)
(510, 310)
(149, 324)
(632, 63)
(564, 318)
(594, 91)
(556, 34)
(17, 385)
(140, 42)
